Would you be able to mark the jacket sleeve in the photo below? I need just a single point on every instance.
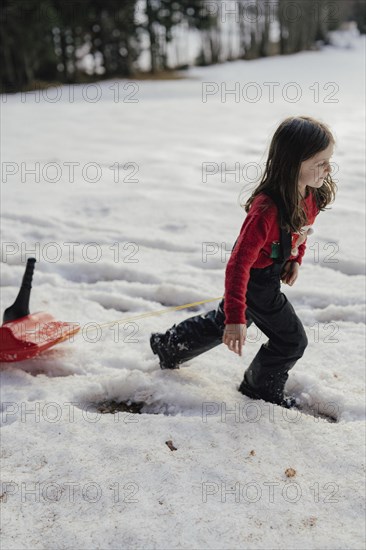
(253, 235)
(301, 252)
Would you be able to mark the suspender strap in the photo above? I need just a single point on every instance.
(285, 236)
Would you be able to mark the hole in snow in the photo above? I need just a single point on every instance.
(134, 407)
(123, 406)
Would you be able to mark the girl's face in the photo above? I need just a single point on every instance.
(315, 169)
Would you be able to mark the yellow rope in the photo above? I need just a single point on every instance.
(152, 313)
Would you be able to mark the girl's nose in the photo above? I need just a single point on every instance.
(327, 169)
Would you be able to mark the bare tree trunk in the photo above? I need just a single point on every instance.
(28, 67)
(255, 32)
(164, 49)
(264, 44)
(242, 29)
(284, 27)
(214, 39)
(152, 36)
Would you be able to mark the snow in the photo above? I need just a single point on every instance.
(75, 478)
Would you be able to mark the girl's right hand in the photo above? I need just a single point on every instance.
(234, 337)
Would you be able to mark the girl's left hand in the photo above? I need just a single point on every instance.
(290, 272)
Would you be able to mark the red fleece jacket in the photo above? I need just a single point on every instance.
(253, 249)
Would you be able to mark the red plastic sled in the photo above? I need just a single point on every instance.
(24, 335)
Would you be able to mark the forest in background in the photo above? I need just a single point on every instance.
(47, 42)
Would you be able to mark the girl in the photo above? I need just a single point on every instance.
(295, 186)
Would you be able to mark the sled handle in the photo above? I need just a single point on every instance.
(28, 275)
(20, 308)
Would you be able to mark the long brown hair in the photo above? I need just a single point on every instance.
(297, 139)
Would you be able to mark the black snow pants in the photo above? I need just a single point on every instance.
(273, 314)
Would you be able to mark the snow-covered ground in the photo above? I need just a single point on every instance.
(244, 474)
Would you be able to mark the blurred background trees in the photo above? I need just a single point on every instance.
(74, 41)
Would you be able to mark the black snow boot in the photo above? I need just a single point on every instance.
(160, 347)
(283, 400)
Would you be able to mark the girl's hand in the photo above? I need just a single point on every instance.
(234, 337)
(290, 272)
